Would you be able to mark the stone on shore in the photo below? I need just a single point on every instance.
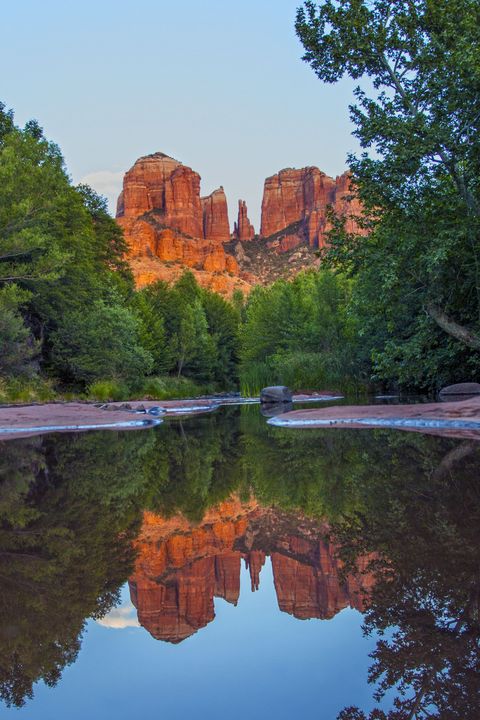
(276, 394)
(467, 388)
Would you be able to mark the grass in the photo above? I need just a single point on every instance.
(26, 390)
(155, 388)
(37, 389)
(166, 388)
(297, 370)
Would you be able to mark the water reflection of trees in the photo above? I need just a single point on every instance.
(70, 506)
(426, 528)
(68, 514)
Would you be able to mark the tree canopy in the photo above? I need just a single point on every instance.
(417, 117)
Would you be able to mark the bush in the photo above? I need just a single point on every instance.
(108, 390)
(171, 388)
(23, 390)
(99, 342)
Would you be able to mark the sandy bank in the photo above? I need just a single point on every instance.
(27, 420)
(451, 419)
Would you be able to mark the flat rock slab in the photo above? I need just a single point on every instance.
(28, 420)
(455, 419)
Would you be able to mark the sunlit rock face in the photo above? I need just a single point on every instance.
(169, 226)
(294, 207)
(181, 568)
(215, 217)
(243, 229)
(158, 182)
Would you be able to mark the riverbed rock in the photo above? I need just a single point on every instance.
(276, 394)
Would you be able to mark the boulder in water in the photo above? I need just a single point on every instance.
(276, 394)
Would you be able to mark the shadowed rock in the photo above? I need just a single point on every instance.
(276, 394)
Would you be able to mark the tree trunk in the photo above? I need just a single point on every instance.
(463, 334)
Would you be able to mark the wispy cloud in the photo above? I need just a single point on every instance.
(106, 182)
(120, 618)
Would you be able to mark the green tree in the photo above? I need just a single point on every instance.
(300, 333)
(223, 326)
(18, 347)
(153, 335)
(101, 342)
(417, 118)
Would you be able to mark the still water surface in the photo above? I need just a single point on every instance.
(215, 566)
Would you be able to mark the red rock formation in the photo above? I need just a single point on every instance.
(168, 226)
(254, 562)
(227, 576)
(313, 589)
(243, 228)
(164, 219)
(346, 203)
(180, 569)
(294, 206)
(215, 217)
(160, 183)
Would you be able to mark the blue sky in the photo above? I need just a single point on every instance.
(219, 86)
(252, 661)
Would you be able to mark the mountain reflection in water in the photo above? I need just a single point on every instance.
(181, 568)
(384, 522)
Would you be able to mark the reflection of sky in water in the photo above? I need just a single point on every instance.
(252, 662)
(121, 617)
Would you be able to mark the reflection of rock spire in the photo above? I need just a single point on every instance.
(254, 562)
(182, 567)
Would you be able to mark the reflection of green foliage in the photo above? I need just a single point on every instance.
(70, 505)
(200, 465)
(424, 528)
(68, 511)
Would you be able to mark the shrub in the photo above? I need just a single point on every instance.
(108, 390)
(170, 388)
(26, 390)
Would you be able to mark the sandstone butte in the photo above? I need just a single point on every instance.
(180, 568)
(169, 226)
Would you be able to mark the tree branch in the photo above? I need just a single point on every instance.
(459, 332)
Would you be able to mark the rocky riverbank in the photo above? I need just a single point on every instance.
(451, 419)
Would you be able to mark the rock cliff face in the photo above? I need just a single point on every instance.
(215, 217)
(169, 226)
(243, 229)
(294, 207)
(161, 184)
(180, 569)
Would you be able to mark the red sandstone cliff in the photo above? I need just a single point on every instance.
(295, 202)
(180, 568)
(243, 228)
(215, 217)
(169, 227)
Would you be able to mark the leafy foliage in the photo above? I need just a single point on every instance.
(299, 333)
(417, 118)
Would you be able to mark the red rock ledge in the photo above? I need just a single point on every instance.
(450, 419)
(26, 420)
